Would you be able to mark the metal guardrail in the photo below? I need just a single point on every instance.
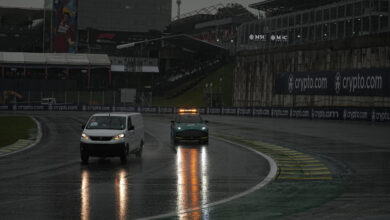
(325, 113)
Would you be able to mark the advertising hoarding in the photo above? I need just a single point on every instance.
(64, 30)
(362, 82)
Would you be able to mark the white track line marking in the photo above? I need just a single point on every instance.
(271, 176)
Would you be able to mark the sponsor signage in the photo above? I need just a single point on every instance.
(363, 82)
(262, 112)
(244, 111)
(63, 107)
(229, 111)
(202, 110)
(268, 38)
(214, 111)
(300, 113)
(96, 108)
(166, 110)
(4, 107)
(29, 107)
(325, 113)
(149, 109)
(357, 114)
(280, 112)
(124, 109)
(380, 115)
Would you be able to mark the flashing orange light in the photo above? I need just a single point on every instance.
(193, 110)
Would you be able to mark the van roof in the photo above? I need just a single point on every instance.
(116, 113)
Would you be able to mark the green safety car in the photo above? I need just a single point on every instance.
(189, 125)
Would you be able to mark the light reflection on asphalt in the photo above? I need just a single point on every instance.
(85, 195)
(192, 181)
(121, 194)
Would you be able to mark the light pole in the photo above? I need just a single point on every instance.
(178, 2)
(44, 27)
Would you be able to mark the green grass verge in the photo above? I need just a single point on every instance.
(13, 128)
(195, 97)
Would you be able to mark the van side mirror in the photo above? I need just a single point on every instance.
(172, 122)
(205, 121)
(131, 127)
(83, 126)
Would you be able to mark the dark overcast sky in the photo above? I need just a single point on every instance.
(186, 6)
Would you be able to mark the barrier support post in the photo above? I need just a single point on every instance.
(89, 76)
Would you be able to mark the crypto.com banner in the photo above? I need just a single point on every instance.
(363, 82)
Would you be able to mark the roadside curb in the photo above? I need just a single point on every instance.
(22, 144)
(268, 179)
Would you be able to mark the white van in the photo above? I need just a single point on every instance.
(112, 134)
(48, 101)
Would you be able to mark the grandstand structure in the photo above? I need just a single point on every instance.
(307, 38)
(307, 21)
(22, 30)
(21, 71)
(217, 23)
(98, 28)
(181, 57)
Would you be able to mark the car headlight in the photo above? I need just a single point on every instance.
(83, 135)
(204, 128)
(178, 128)
(119, 136)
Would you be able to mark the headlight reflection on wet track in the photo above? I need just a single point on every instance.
(85, 195)
(121, 194)
(192, 181)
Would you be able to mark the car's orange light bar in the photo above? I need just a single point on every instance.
(193, 110)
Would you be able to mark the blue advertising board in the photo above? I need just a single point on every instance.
(362, 82)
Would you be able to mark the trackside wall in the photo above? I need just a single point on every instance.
(256, 70)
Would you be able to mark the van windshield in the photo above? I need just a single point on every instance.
(107, 122)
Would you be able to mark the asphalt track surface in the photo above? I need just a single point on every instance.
(49, 182)
(357, 153)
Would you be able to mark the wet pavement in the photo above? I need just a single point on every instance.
(49, 182)
(348, 163)
(356, 153)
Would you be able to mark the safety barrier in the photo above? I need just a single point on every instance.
(327, 113)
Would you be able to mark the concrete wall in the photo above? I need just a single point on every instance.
(255, 71)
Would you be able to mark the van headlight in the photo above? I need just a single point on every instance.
(204, 128)
(119, 136)
(179, 128)
(83, 135)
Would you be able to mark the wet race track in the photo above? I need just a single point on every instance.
(48, 181)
